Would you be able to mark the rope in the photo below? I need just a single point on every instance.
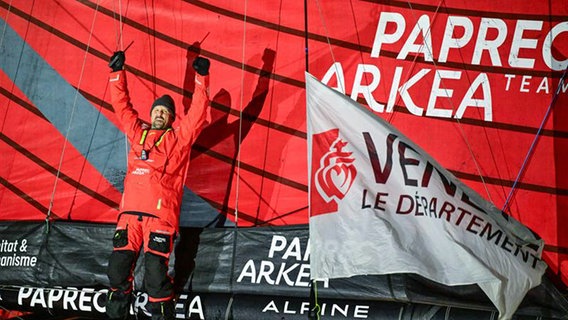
(535, 141)
(120, 45)
(414, 61)
(470, 149)
(315, 312)
(306, 34)
(238, 156)
(241, 116)
(462, 133)
(369, 94)
(51, 201)
(339, 82)
(120, 24)
(8, 310)
(118, 29)
(1, 43)
(5, 23)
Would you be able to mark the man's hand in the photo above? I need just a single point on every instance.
(117, 60)
(201, 65)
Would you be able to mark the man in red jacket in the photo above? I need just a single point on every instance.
(153, 188)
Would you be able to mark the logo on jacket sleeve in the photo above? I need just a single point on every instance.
(140, 171)
(333, 171)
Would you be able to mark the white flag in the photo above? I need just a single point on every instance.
(380, 205)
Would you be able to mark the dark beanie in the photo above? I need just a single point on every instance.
(167, 102)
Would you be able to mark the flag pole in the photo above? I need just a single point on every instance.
(315, 310)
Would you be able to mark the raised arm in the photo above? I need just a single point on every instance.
(198, 115)
(120, 98)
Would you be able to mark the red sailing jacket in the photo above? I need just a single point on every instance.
(155, 186)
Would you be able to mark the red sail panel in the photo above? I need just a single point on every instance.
(468, 82)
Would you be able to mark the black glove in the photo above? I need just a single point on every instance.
(201, 65)
(117, 60)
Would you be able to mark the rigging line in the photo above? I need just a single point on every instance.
(462, 133)
(414, 61)
(51, 201)
(478, 168)
(367, 87)
(152, 47)
(1, 43)
(5, 23)
(238, 156)
(340, 82)
(340, 85)
(306, 34)
(120, 25)
(8, 310)
(119, 44)
(116, 29)
(238, 173)
(535, 141)
(21, 54)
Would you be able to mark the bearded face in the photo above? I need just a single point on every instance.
(161, 118)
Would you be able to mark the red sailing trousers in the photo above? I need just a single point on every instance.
(157, 238)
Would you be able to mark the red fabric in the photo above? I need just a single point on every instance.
(8, 314)
(139, 230)
(155, 186)
(270, 138)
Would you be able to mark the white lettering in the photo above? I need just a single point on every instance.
(448, 41)
(337, 70)
(278, 244)
(53, 296)
(441, 92)
(509, 78)
(97, 298)
(286, 310)
(195, 307)
(543, 86)
(266, 269)
(85, 298)
(7, 246)
(283, 273)
(422, 26)
(412, 107)
(304, 307)
(519, 43)
(394, 88)
(485, 102)
(141, 171)
(24, 293)
(271, 306)
(343, 311)
(249, 270)
(382, 37)
(303, 273)
(295, 274)
(361, 311)
(524, 83)
(365, 90)
(491, 46)
(69, 298)
(459, 31)
(38, 298)
(307, 253)
(294, 250)
(547, 55)
(290, 307)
